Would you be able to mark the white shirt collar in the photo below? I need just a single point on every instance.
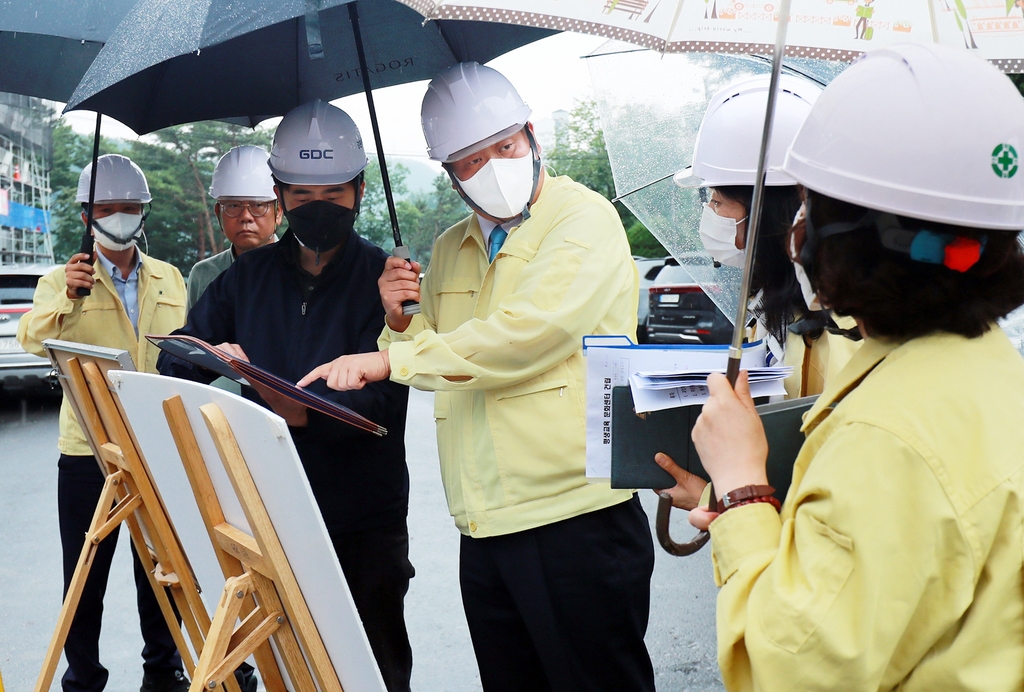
(486, 226)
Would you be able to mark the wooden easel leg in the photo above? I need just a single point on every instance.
(99, 529)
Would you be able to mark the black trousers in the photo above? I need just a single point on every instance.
(377, 569)
(79, 483)
(563, 607)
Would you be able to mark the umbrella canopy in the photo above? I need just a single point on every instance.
(651, 108)
(49, 44)
(828, 30)
(179, 61)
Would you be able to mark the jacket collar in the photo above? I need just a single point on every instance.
(864, 360)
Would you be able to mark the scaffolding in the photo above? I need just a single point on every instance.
(26, 150)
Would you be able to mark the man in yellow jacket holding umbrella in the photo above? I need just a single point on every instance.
(131, 295)
(555, 571)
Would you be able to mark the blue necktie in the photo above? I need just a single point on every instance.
(498, 236)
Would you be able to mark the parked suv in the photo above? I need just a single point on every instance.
(648, 270)
(681, 313)
(17, 368)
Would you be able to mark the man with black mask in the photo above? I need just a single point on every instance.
(307, 299)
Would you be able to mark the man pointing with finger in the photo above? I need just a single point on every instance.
(309, 297)
(555, 571)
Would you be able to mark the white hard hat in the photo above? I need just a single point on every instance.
(317, 144)
(925, 131)
(243, 173)
(119, 180)
(469, 107)
(729, 140)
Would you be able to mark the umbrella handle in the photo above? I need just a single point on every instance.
(661, 523)
(409, 307)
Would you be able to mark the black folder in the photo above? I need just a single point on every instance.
(637, 438)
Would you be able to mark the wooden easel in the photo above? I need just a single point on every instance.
(130, 496)
(254, 565)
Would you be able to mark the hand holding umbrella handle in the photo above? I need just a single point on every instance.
(86, 249)
(661, 527)
(409, 307)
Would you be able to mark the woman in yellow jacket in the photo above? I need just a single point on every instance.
(896, 561)
(789, 320)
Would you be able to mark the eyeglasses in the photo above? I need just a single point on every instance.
(234, 209)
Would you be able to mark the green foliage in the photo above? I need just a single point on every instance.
(580, 153)
(374, 222)
(643, 244)
(421, 217)
(1018, 80)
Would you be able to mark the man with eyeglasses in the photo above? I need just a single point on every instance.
(246, 208)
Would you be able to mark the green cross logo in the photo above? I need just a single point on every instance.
(1004, 161)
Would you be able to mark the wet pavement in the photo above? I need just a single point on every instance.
(680, 635)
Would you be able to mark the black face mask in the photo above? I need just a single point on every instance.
(321, 226)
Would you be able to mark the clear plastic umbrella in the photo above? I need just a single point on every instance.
(828, 29)
(651, 107)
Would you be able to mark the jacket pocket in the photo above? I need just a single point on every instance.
(803, 595)
(456, 300)
(539, 436)
(529, 387)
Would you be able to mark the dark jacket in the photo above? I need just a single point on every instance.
(288, 322)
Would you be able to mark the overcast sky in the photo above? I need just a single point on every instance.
(549, 74)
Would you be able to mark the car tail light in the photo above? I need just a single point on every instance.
(15, 311)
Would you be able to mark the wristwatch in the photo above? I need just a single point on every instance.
(749, 494)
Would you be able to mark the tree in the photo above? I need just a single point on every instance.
(374, 222)
(580, 153)
(421, 217)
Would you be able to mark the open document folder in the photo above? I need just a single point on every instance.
(198, 352)
(657, 390)
(613, 360)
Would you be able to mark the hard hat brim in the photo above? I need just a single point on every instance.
(484, 143)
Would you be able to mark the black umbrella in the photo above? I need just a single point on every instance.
(49, 44)
(180, 61)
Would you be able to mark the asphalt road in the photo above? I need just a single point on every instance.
(680, 636)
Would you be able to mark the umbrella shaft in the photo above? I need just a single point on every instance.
(754, 220)
(86, 247)
(353, 14)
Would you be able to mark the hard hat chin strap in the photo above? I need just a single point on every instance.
(135, 234)
(525, 213)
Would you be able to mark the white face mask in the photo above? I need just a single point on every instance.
(118, 231)
(502, 187)
(810, 296)
(718, 233)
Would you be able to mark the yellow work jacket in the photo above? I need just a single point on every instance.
(896, 562)
(512, 439)
(100, 319)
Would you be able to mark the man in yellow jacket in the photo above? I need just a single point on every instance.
(131, 295)
(555, 571)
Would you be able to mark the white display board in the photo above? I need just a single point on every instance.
(277, 472)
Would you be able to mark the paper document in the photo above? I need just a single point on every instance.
(660, 389)
(612, 360)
